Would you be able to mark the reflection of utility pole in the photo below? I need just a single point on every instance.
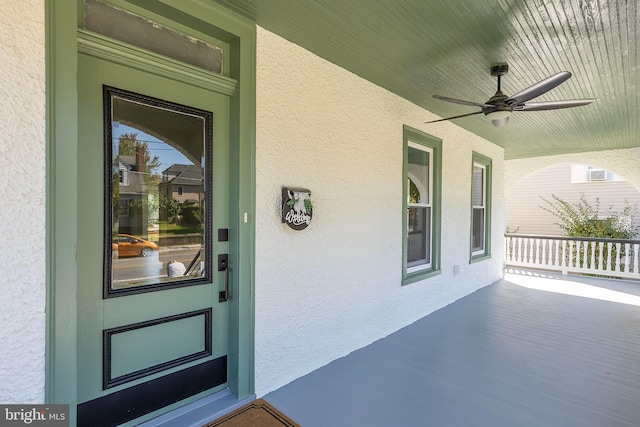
(144, 199)
(200, 199)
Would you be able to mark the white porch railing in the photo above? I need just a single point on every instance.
(602, 257)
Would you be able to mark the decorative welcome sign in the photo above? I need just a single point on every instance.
(296, 207)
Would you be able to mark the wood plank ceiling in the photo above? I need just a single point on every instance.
(416, 48)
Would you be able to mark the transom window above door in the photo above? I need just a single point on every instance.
(119, 24)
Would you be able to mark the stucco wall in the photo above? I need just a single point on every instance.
(336, 286)
(22, 202)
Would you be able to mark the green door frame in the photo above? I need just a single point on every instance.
(62, 22)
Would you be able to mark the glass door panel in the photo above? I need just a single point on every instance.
(159, 180)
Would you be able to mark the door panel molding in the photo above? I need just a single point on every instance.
(109, 347)
(122, 53)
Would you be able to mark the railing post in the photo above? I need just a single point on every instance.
(533, 251)
(626, 257)
(600, 256)
(520, 251)
(507, 239)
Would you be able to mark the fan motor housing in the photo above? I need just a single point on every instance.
(500, 69)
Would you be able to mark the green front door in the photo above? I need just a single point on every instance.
(153, 220)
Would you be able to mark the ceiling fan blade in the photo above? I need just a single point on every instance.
(553, 105)
(455, 117)
(461, 101)
(539, 88)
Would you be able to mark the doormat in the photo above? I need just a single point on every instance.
(258, 413)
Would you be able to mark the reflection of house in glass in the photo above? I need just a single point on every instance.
(133, 213)
(184, 184)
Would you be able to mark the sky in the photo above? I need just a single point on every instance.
(168, 155)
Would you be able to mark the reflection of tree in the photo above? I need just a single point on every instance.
(414, 193)
(178, 213)
(128, 145)
(154, 207)
(134, 195)
(170, 208)
(192, 215)
(115, 197)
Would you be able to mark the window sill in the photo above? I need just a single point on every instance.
(478, 258)
(419, 275)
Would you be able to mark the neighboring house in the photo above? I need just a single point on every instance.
(569, 182)
(183, 183)
(132, 213)
(407, 217)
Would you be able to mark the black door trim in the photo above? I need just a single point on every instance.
(134, 402)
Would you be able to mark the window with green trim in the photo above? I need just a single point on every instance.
(480, 207)
(422, 195)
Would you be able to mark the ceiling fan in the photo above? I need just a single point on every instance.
(500, 106)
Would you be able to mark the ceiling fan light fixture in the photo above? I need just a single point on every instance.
(499, 117)
(499, 114)
(500, 122)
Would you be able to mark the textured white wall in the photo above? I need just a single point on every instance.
(22, 201)
(336, 286)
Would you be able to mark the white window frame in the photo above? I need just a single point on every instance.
(124, 176)
(608, 176)
(483, 207)
(428, 204)
(123, 209)
(416, 139)
(486, 163)
(581, 174)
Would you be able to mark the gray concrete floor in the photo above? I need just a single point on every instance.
(531, 350)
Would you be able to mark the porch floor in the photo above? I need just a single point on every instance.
(525, 351)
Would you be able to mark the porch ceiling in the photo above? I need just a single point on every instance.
(416, 48)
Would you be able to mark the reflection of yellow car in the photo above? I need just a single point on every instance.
(128, 245)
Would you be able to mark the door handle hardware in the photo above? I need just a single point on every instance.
(223, 265)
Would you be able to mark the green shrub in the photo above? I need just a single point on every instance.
(169, 208)
(583, 219)
(191, 215)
